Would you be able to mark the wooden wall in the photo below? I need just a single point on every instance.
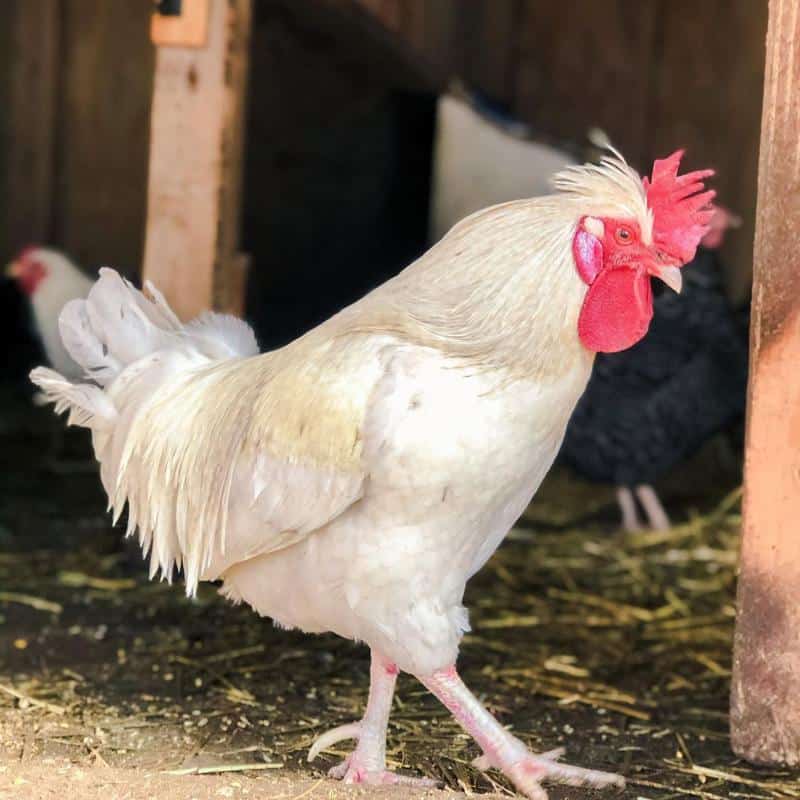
(76, 80)
(75, 89)
(654, 74)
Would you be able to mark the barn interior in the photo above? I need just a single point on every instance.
(613, 643)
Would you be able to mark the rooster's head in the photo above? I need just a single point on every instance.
(650, 229)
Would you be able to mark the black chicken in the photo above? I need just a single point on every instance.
(650, 407)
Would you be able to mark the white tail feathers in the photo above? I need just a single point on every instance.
(221, 336)
(144, 370)
(118, 325)
(84, 346)
(115, 326)
(88, 405)
(160, 312)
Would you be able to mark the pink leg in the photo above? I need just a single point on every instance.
(501, 749)
(659, 521)
(627, 505)
(367, 763)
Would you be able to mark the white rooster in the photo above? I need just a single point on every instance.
(355, 479)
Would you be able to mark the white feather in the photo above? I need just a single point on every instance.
(135, 348)
(124, 322)
(161, 314)
(222, 336)
(88, 405)
(84, 346)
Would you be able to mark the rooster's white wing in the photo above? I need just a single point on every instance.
(226, 461)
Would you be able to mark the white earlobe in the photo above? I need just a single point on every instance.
(594, 226)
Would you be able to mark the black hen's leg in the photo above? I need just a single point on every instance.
(627, 506)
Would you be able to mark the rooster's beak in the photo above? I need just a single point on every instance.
(670, 275)
(665, 269)
(13, 270)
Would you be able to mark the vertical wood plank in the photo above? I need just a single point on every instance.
(230, 265)
(106, 73)
(765, 700)
(490, 46)
(195, 165)
(583, 63)
(30, 52)
(434, 28)
(442, 42)
(412, 23)
(706, 97)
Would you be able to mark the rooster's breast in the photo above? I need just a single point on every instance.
(454, 457)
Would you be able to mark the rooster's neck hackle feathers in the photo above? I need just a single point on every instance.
(501, 291)
(608, 189)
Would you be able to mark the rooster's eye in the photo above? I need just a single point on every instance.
(623, 235)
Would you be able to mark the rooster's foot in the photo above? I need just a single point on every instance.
(505, 752)
(528, 772)
(351, 770)
(361, 766)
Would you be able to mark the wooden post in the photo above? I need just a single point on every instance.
(196, 143)
(765, 703)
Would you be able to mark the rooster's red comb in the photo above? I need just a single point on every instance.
(681, 207)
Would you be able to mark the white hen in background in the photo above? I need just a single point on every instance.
(481, 160)
(50, 280)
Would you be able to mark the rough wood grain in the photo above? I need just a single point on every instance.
(590, 66)
(28, 90)
(708, 79)
(105, 73)
(765, 703)
(230, 266)
(195, 169)
(491, 43)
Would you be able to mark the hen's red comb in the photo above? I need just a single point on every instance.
(681, 207)
(26, 251)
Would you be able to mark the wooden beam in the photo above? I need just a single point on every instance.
(765, 702)
(196, 143)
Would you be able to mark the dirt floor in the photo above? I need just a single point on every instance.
(614, 645)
